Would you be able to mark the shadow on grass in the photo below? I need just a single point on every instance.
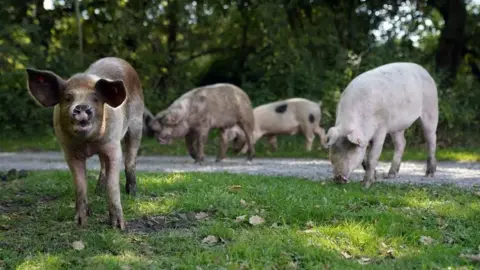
(307, 225)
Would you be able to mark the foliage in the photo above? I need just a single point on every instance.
(195, 220)
(272, 49)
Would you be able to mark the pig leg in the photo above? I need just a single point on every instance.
(201, 141)
(133, 139)
(272, 140)
(113, 158)
(190, 141)
(309, 137)
(77, 167)
(372, 160)
(223, 146)
(244, 149)
(365, 159)
(248, 130)
(399, 145)
(429, 124)
(102, 178)
(321, 134)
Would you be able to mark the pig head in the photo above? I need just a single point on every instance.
(170, 124)
(347, 150)
(93, 111)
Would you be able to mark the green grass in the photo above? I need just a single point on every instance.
(289, 146)
(307, 225)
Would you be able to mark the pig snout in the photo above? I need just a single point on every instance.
(82, 114)
(81, 119)
(340, 179)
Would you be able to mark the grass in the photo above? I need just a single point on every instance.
(288, 146)
(307, 225)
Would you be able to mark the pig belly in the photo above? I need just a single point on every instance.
(284, 130)
(403, 120)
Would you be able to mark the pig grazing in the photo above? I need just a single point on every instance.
(93, 111)
(194, 113)
(381, 101)
(285, 117)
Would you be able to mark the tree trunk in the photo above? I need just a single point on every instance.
(172, 32)
(452, 39)
(80, 32)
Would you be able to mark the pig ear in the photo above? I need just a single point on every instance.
(114, 92)
(174, 116)
(356, 137)
(332, 136)
(45, 86)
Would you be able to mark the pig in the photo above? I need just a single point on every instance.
(381, 101)
(285, 117)
(194, 113)
(93, 112)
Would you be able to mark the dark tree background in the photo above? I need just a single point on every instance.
(273, 49)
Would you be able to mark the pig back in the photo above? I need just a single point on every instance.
(222, 104)
(131, 111)
(391, 95)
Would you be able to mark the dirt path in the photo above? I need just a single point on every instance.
(461, 174)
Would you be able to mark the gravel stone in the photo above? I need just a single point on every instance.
(462, 174)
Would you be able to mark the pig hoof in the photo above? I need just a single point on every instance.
(219, 160)
(430, 172)
(340, 181)
(366, 184)
(117, 222)
(81, 219)
(390, 175)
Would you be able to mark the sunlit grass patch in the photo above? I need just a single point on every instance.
(40, 262)
(305, 225)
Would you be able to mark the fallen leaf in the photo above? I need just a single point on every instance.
(241, 218)
(477, 193)
(256, 220)
(198, 268)
(243, 202)
(274, 225)
(346, 255)
(364, 260)
(426, 240)
(384, 245)
(310, 224)
(211, 239)
(201, 215)
(317, 206)
(390, 253)
(78, 245)
(472, 257)
(291, 265)
(234, 188)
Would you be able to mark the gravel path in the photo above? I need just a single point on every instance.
(461, 174)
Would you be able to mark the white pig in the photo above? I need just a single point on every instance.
(381, 101)
(285, 117)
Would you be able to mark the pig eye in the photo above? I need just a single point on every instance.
(68, 98)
